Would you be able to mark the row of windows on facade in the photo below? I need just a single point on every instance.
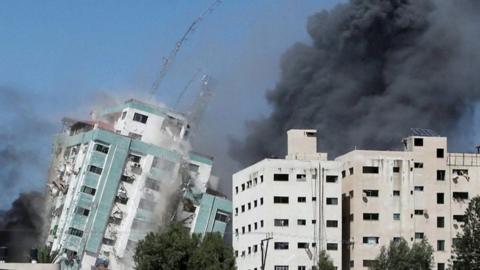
(248, 206)
(370, 263)
(286, 223)
(456, 195)
(375, 240)
(418, 212)
(283, 246)
(285, 267)
(79, 233)
(137, 117)
(283, 200)
(418, 165)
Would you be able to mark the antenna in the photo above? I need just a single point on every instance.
(167, 62)
(194, 77)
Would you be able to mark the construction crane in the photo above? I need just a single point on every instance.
(167, 62)
(200, 103)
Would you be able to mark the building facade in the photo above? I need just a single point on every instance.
(116, 177)
(286, 210)
(419, 193)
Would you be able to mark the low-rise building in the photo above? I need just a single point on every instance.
(286, 210)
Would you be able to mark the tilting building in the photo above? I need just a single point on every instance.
(118, 176)
(287, 210)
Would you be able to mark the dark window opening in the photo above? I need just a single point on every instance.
(371, 216)
(440, 153)
(418, 141)
(370, 192)
(280, 199)
(331, 178)
(332, 201)
(418, 165)
(101, 148)
(281, 245)
(88, 190)
(396, 169)
(460, 195)
(440, 198)
(76, 232)
(440, 222)
(332, 246)
(332, 223)
(302, 245)
(300, 177)
(301, 222)
(459, 218)
(441, 175)
(95, 169)
(280, 222)
(370, 169)
(302, 199)
(351, 171)
(138, 117)
(280, 177)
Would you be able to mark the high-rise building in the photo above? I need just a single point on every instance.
(118, 176)
(287, 210)
(419, 193)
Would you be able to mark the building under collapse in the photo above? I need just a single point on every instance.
(119, 175)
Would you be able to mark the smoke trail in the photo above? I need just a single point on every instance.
(375, 69)
(24, 153)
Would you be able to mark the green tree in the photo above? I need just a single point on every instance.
(166, 250)
(399, 256)
(45, 254)
(174, 248)
(212, 254)
(466, 248)
(324, 261)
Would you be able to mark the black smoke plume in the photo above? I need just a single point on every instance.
(25, 142)
(375, 69)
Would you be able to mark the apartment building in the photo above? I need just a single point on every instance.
(420, 192)
(119, 175)
(286, 210)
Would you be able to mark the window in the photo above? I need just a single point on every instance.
(152, 184)
(332, 246)
(370, 192)
(95, 169)
(368, 263)
(249, 250)
(243, 229)
(301, 222)
(280, 199)
(236, 190)
(302, 199)
(255, 203)
(255, 226)
(138, 117)
(440, 266)
(459, 218)
(281, 245)
(243, 187)
(418, 141)
(460, 195)
(88, 190)
(302, 245)
(418, 165)
(261, 201)
(82, 211)
(164, 164)
(370, 216)
(249, 206)
(101, 148)
(369, 169)
(332, 201)
(124, 113)
(301, 267)
(108, 242)
(301, 177)
(441, 175)
(440, 222)
(280, 222)
(146, 204)
(222, 216)
(281, 267)
(314, 199)
(440, 198)
(396, 169)
(280, 177)
(396, 216)
(418, 212)
(255, 248)
(76, 232)
(396, 193)
(371, 240)
(460, 171)
(243, 208)
(440, 153)
(331, 179)
(249, 227)
(332, 223)
(344, 174)
(261, 223)
(314, 221)
(441, 245)
(418, 188)
(419, 235)
(351, 171)
(134, 158)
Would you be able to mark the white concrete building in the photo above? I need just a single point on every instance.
(295, 201)
(421, 192)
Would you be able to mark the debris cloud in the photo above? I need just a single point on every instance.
(375, 68)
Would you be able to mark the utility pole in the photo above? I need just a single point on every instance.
(264, 254)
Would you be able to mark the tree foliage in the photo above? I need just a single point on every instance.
(175, 249)
(399, 256)
(45, 254)
(466, 248)
(324, 261)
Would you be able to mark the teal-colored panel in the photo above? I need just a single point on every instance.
(206, 215)
(107, 186)
(144, 215)
(201, 159)
(97, 159)
(85, 200)
(91, 179)
(78, 222)
(219, 226)
(150, 149)
(73, 242)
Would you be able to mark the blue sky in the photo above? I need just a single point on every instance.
(64, 56)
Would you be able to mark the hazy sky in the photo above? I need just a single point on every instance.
(62, 57)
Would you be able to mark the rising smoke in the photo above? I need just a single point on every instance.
(24, 152)
(375, 69)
